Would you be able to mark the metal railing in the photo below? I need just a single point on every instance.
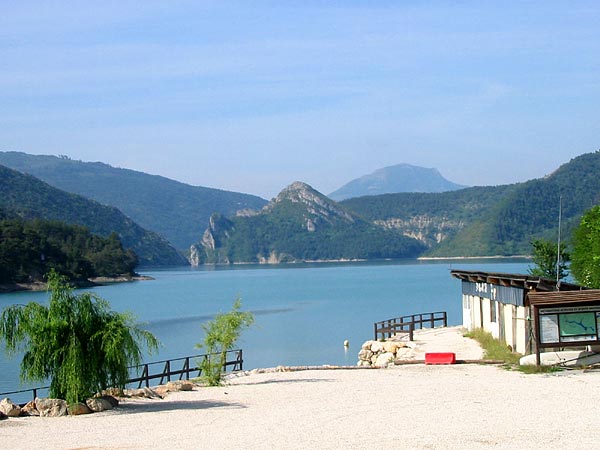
(233, 359)
(408, 324)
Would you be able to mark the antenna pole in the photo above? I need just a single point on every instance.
(558, 249)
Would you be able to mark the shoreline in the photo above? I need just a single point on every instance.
(466, 258)
(38, 286)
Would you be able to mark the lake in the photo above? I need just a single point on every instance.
(303, 312)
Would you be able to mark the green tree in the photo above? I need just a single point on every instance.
(545, 260)
(221, 335)
(585, 266)
(76, 341)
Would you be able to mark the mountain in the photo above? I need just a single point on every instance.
(395, 179)
(24, 196)
(486, 221)
(300, 224)
(175, 210)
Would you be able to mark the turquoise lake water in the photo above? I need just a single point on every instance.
(303, 312)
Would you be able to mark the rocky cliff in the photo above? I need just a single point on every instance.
(300, 224)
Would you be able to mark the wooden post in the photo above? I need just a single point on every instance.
(536, 335)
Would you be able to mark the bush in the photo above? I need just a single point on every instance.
(221, 335)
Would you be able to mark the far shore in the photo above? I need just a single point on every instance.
(451, 258)
(37, 286)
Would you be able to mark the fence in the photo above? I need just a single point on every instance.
(391, 327)
(233, 359)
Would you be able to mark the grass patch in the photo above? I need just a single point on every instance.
(538, 369)
(492, 348)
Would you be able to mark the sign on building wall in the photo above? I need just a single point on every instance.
(503, 294)
(572, 324)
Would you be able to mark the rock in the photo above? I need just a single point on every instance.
(391, 346)
(362, 363)
(365, 355)
(161, 391)
(51, 407)
(113, 392)
(175, 386)
(143, 393)
(78, 409)
(384, 359)
(405, 353)
(9, 408)
(367, 345)
(376, 346)
(29, 409)
(110, 399)
(98, 404)
(3, 416)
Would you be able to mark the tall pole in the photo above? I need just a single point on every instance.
(558, 250)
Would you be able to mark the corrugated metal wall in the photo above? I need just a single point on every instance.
(504, 294)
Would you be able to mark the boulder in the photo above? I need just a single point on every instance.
(367, 345)
(143, 393)
(384, 359)
(391, 346)
(376, 346)
(9, 408)
(98, 404)
(365, 355)
(51, 407)
(110, 399)
(29, 409)
(3, 416)
(175, 386)
(78, 409)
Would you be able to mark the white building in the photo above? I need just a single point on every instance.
(498, 303)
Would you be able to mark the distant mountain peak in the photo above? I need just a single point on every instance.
(394, 179)
(317, 206)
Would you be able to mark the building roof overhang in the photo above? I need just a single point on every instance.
(525, 282)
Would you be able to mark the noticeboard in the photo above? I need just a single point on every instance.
(569, 325)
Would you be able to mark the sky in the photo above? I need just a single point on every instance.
(250, 96)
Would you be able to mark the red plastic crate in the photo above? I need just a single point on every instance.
(440, 358)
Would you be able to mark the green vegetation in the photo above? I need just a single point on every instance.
(221, 335)
(500, 220)
(585, 266)
(304, 225)
(545, 259)
(26, 197)
(493, 349)
(30, 249)
(176, 211)
(76, 341)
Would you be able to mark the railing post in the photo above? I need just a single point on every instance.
(375, 331)
(432, 320)
(411, 331)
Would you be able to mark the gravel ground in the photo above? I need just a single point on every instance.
(403, 407)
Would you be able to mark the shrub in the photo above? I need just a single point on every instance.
(221, 335)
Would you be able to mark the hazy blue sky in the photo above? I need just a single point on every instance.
(252, 95)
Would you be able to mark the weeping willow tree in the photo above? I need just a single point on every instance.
(76, 341)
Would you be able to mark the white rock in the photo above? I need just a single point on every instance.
(365, 355)
(367, 345)
(9, 408)
(376, 346)
(384, 359)
(51, 407)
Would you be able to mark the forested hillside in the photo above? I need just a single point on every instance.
(176, 211)
(501, 220)
(26, 197)
(29, 249)
(300, 225)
